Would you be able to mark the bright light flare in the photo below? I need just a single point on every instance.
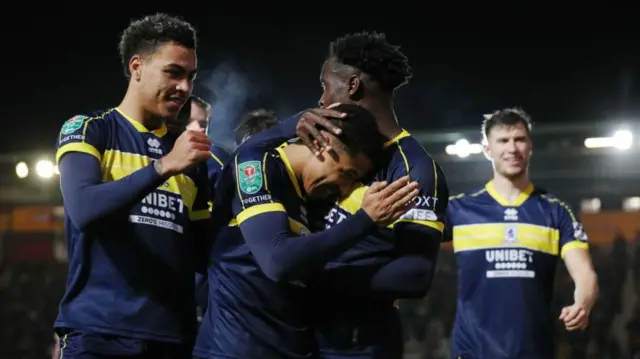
(462, 148)
(622, 140)
(22, 170)
(45, 169)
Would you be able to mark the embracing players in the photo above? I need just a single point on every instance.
(350, 302)
(135, 200)
(508, 237)
(264, 253)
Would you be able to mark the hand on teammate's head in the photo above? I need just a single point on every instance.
(310, 123)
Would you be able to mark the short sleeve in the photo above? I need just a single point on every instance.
(571, 232)
(253, 173)
(81, 134)
(433, 196)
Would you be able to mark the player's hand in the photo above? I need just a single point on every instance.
(190, 148)
(308, 132)
(386, 203)
(575, 317)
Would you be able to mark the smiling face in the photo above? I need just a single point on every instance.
(509, 148)
(164, 79)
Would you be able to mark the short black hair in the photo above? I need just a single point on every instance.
(505, 117)
(253, 122)
(144, 36)
(360, 132)
(370, 53)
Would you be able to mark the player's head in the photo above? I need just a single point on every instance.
(362, 65)
(253, 122)
(194, 115)
(353, 153)
(158, 53)
(507, 141)
(199, 113)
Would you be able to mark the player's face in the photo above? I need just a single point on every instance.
(198, 118)
(334, 173)
(335, 88)
(166, 79)
(509, 148)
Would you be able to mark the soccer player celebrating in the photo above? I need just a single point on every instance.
(135, 197)
(507, 238)
(259, 261)
(352, 309)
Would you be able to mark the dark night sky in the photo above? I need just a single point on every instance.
(559, 64)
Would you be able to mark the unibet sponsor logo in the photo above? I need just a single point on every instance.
(250, 177)
(73, 124)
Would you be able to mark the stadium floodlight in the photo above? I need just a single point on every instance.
(591, 205)
(631, 204)
(22, 170)
(621, 139)
(462, 148)
(44, 169)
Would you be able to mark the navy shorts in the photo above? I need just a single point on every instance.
(80, 345)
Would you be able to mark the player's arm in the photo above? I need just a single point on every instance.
(285, 256)
(86, 198)
(418, 234)
(305, 124)
(574, 249)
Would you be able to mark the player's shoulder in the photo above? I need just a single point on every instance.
(219, 154)
(405, 150)
(257, 158)
(250, 152)
(94, 120)
(473, 195)
(550, 200)
(96, 117)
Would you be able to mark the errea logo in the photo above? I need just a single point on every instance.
(510, 214)
(154, 146)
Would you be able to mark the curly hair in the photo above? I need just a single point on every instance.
(370, 53)
(144, 36)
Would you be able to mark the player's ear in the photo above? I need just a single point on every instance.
(486, 150)
(135, 67)
(354, 85)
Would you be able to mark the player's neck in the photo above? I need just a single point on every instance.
(298, 156)
(130, 105)
(382, 110)
(510, 188)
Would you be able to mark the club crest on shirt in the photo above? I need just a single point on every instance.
(250, 176)
(73, 124)
(510, 235)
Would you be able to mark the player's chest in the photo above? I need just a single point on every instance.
(142, 143)
(167, 206)
(493, 227)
